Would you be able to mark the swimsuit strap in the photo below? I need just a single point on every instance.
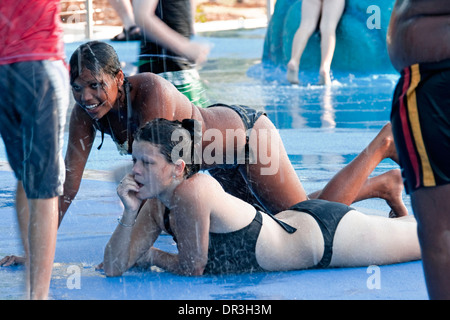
(129, 119)
(129, 112)
(167, 223)
(288, 228)
(103, 138)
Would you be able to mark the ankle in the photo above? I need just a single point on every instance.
(292, 65)
(324, 77)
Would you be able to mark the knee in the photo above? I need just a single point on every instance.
(306, 30)
(327, 29)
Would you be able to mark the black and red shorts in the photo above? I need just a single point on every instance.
(421, 124)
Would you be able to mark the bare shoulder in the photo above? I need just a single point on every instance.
(146, 80)
(198, 188)
(154, 97)
(200, 181)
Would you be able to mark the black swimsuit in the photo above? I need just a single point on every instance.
(232, 177)
(328, 215)
(234, 252)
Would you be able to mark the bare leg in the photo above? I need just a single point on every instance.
(309, 20)
(431, 207)
(42, 240)
(387, 186)
(363, 240)
(23, 216)
(273, 178)
(280, 189)
(331, 14)
(351, 184)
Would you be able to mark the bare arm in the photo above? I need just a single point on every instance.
(190, 220)
(81, 138)
(155, 29)
(136, 232)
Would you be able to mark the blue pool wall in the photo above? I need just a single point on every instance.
(358, 47)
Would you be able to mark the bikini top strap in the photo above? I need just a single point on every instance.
(97, 126)
(129, 113)
(288, 228)
(167, 223)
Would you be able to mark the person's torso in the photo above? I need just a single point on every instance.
(419, 32)
(177, 15)
(30, 31)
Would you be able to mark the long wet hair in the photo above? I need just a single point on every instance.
(98, 57)
(176, 140)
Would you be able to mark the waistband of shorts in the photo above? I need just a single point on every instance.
(431, 66)
(181, 77)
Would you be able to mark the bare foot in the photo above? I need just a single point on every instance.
(385, 141)
(292, 73)
(393, 193)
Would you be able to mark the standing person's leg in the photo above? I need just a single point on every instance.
(309, 19)
(11, 135)
(23, 218)
(42, 230)
(42, 119)
(36, 230)
(421, 124)
(432, 209)
(44, 170)
(331, 15)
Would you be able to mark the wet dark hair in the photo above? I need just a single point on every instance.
(96, 56)
(176, 140)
